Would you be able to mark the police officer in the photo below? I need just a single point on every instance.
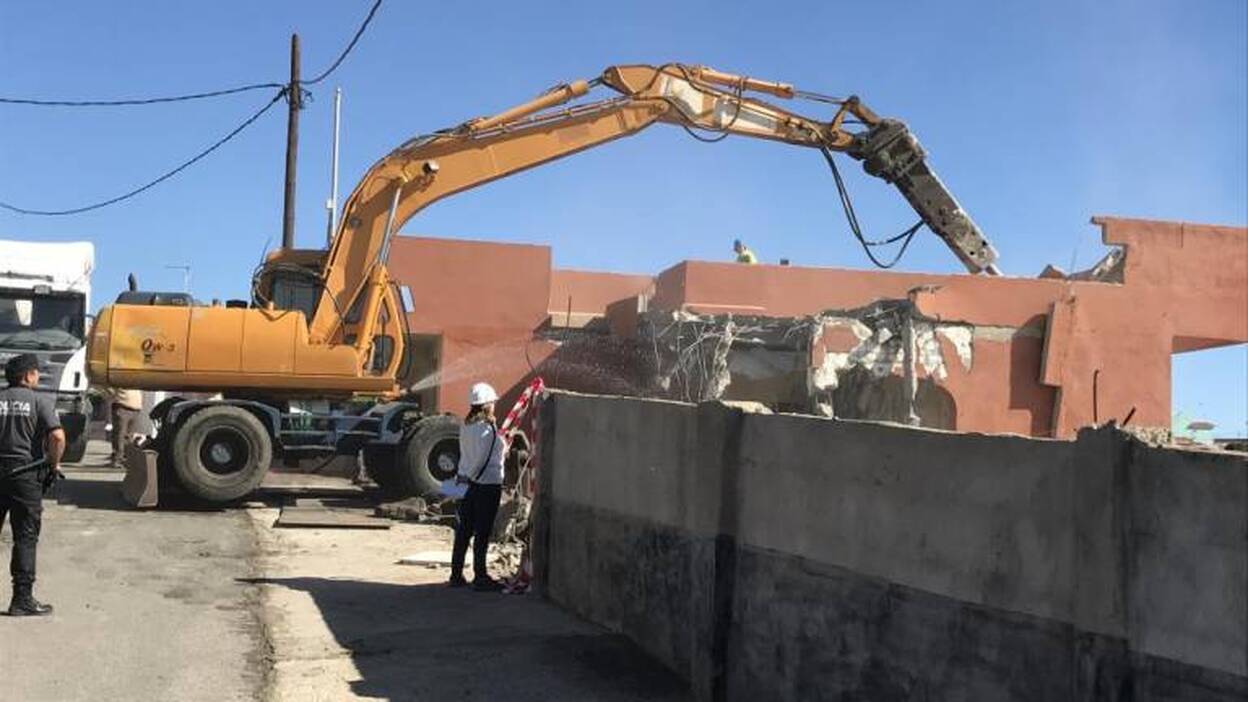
(30, 434)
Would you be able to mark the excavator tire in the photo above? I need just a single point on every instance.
(76, 450)
(380, 464)
(221, 453)
(428, 455)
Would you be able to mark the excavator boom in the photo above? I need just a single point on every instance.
(431, 167)
(332, 323)
(311, 365)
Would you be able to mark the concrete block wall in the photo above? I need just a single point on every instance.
(783, 557)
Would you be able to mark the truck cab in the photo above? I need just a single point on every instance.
(45, 293)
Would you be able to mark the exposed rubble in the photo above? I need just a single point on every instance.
(854, 363)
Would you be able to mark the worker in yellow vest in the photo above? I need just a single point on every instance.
(744, 255)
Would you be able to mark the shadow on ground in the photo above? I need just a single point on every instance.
(101, 491)
(432, 642)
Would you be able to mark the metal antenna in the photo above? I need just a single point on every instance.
(332, 203)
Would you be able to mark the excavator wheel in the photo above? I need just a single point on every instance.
(76, 450)
(428, 455)
(221, 453)
(380, 464)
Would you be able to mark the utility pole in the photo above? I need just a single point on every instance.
(294, 100)
(332, 203)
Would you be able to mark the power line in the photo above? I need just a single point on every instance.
(358, 33)
(139, 101)
(166, 176)
(283, 92)
(199, 96)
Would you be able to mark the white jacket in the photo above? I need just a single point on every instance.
(474, 444)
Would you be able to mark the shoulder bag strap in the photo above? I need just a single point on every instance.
(488, 454)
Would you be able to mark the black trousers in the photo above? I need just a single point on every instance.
(21, 497)
(475, 521)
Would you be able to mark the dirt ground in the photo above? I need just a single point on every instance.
(194, 604)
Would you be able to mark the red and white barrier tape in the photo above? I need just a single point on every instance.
(519, 583)
(511, 424)
(521, 407)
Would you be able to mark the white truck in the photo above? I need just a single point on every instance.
(45, 293)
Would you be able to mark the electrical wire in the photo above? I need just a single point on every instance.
(199, 96)
(358, 33)
(852, 218)
(140, 101)
(166, 176)
(283, 92)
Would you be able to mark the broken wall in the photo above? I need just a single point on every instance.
(497, 311)
(786, 557)
(1038, 342)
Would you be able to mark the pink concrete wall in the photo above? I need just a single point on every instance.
(484, 299)
(1185, 286)
(1040, 343)
(592, 293)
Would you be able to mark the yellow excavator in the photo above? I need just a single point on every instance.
(310, 364)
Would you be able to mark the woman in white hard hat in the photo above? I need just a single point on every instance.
(481, 452)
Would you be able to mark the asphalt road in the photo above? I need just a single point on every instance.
(149, 605)
(218, 604)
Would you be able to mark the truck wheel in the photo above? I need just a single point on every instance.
(382, 469)
(428, 455)
(221, 453)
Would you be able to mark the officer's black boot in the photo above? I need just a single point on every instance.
(24, 603)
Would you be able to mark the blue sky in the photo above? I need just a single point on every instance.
(1037, 114)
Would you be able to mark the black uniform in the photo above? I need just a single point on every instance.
(26, 417)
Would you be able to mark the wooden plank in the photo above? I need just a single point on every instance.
(306, 484)
(322, 518)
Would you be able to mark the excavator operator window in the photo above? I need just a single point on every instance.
(383, 352)
(295, 293)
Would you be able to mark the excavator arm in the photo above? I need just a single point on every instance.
(331, 324)
(429, 168)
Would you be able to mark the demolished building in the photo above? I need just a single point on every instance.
(1036, 356)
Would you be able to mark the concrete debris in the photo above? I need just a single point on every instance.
(879, 330)
(1153, 436)
(416, 509)
(698, 358)
(845, 363)
(1108, 270)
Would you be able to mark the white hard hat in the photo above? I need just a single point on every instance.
(481, 394)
